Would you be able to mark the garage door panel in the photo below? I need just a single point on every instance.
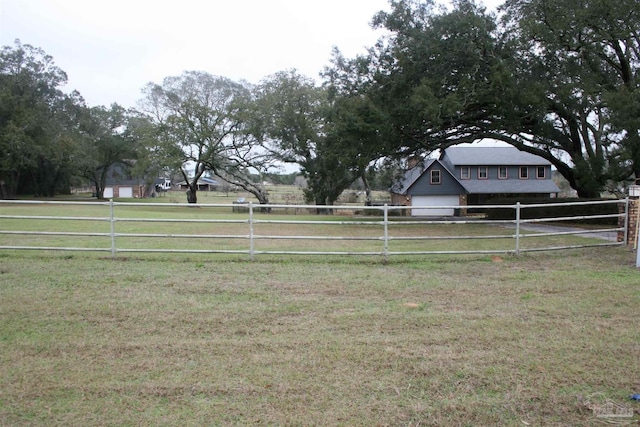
(108, 193)
(126, 192)
(437, 201)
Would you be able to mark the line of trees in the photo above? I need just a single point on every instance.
(51, 140)
(557, 79)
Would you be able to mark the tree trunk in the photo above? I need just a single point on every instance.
(99, 188)
(325, 210)
(9, 187)
(367, 188)
(3, 191)
(192, 195)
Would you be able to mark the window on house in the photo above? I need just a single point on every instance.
(502, 172)
(465, 172)
(524, 172)
(541, 172)
(483, 172)
(435, 177)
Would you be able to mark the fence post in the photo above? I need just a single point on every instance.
(112, 220)
(251, 243)
(386, 232)
(626, 221)
(518, 228)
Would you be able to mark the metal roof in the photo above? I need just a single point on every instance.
(491, 156)
(203, 180)
(509, 186)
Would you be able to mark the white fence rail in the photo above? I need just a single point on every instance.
(374, 232)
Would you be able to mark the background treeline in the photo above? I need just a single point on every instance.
(557, 79)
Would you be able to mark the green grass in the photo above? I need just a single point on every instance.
(216, 340)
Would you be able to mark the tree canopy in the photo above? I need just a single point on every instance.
(293, 113)
(105, 145)
(48, 138)
(34, 123)
(557, 79)
(205, 122)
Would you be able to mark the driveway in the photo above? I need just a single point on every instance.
(542, 227)
(611, 236)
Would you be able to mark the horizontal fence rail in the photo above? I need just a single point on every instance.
(123, 227)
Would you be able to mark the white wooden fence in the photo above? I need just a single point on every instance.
(377, 224)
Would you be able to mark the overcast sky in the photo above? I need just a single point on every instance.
(111, 49)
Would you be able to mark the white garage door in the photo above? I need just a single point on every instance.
(108, 193)
(434, 201)
(126, 192)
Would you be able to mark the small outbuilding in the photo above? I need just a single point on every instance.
(204, 184)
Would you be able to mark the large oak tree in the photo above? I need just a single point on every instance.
(105, 147)
(556, 79)
(36, 123)
(588, 52)
(204, 123)
(293, 113)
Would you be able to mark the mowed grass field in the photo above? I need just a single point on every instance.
(207, 339)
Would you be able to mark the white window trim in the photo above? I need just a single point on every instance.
(520, 169)
(486, 169)
(468, 170)
(506, 172)
(439, 177)
(544, 172)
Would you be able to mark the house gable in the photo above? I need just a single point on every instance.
(431, 177)
(121, 173)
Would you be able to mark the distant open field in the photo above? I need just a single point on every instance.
(217, 340)
(284, 194)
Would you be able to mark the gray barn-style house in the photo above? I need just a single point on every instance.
(464, 176)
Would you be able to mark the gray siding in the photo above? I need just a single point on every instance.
(422, 186)
(513, 172)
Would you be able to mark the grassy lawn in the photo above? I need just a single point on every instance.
(216, 340)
